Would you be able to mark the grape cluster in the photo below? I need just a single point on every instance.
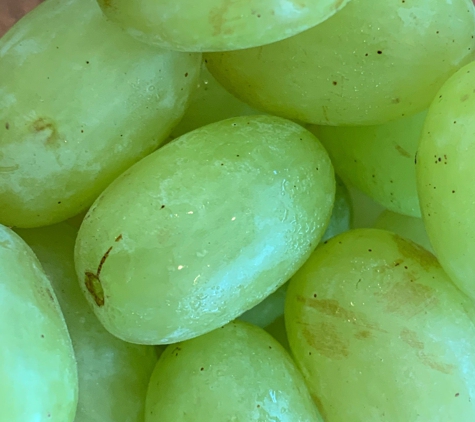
(225, 211)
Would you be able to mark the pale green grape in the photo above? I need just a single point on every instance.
(445, 177)
(380, 332)
(372, 62)
(217, 25)
(113, 375)
(365, 210)
(411, 228)
(210, 103)
(204, 228)
(378, 160)
(236, 373)
(80, 102)
(272, 307)
(38, 373)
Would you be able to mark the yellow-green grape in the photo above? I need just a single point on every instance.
(80, 102)
(445, 175)
(365, 210)
(113, 374)
(204, 228)
(210, 103)
(372, 62)
(235, 373)
(272, 307)
(411, 228)
(378, 160)
(217, 25)
(381, 333)
(38, 373)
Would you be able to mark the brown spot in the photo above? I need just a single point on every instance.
(413, 251)
(337, 5)
(408, 298)
(324, 338)
(46, 128)
(217, 18)
(464, 98)
(7, 125)
(332, 308)
(402, 151)
(94, 287)
(362, 335)
(118, 238)
(410, 337)
(396, 100)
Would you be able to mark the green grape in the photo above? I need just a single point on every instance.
(411, 228)
(272, 307)
(217, 25)
(373, 62)
(210, 103)
(80, 102)
(381, 333)
(38, 373)
(378, 160)
(113, 375)
(365, 210)
(445, 175)
(204, 228)
(235, 373)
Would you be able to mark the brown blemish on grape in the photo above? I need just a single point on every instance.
(332, 308)
(414, 252)
(93, 281)
(464, 98)
(396, 100)
(338, 4)
(408, 298)
(324, 338)
(47, 129)
(7, 125)
(118, 238)
(410, 338)
(402, 151)
(362, 335)
(218, 20)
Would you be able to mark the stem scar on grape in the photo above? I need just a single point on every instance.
(93, 281)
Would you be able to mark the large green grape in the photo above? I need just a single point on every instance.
(113, 374)
(372, 62)
(378, 160)
(204, 228)
(80, 102)
(38, 373)
(236, 373)
(210, 103)
(445, 177)
(272, 307)
(217, 25)
(381, 333)
(411, 228)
